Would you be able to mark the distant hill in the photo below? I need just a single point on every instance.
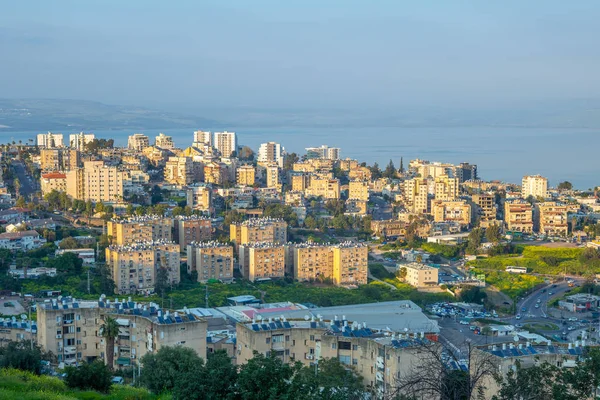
(80, 115)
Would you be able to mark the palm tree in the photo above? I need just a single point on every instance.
(109, 331)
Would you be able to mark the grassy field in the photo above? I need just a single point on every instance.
(21, 385)
(537, 326)
(513, 285)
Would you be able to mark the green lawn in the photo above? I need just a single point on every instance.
(513, 285)
(538, 326)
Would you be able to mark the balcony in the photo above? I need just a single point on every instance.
(70, 350)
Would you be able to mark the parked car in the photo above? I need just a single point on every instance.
(573, 319)
(117, 380)
(518, 316)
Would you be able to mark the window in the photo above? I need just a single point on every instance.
(334, 346)
(277, 338)
(345, 345)
(293, 342)
(311, 351)
(78, 329)
(354, 361)
(287, 338)
(287, 352)
(268, 340)
(354, 347)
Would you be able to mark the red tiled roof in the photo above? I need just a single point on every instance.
(54, 175)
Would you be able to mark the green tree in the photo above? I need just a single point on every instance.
(109, 330)
(390, 170)
(215, 380)
(401, 169)
(68, 243)
(20, 202)
(289, 160)
(254, 384)
(474, 240)
(375, 171)
(472, 294)
(401, 273)
(67, 263)
(99, 207)
(129, 209)
(566, 185)
(21, 355)
(89, 376)
(493, 233)
(163, 370)
(89, 209)
(310, 222)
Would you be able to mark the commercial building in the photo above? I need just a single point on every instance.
(70, 329)
(534, 185)
(211, 260)
(148, 228)
(192, 229)
(53, 181)
(199, 197)
(246, 175)
(134, 268)
(259, 230)
(225, 143)
(271, 152)
(179, 171)
(453, 211)
(163, 141)
(580, 302)
(59, 159)
(518, 216)
(420, 275)
(202, 139)
(50, 140)
(328, 153)
(485, 209)
(138, 142)
(262, 260)
(553, 218)
(358, 190)
(377, 340)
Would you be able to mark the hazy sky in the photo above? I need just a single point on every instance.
(300, 53)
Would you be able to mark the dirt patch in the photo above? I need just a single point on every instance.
(561, 244)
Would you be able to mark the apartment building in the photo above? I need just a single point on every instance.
(324, 152)
(80, 140)
(327, 188)
(163, 141)
(71, 329)
(59, 159)
(271, 152)
(518, 216)
(416, 195)
(156, 156)
(258, 230)
(246, 175)
(420, 275)
(445, 188)
(211, 260)
(192, 229)
(376, 354)
(202, 138)
(465, 172)
(138, 142)
(315, 165)
(553, 218)
(100, 182)
(534, 185)
(50, 140)
(451, 211)
(299, 181)
(21, 240)
(179, 171)
(149, 228)
(347, 164)
(53, 181)
(13, 330)
(485, 209)
(360, 174)
(343, 264)
(262, 260)
(199, 197)
(272, 176)
(358, 190)
(215, 173)
(134, 267)
(225, 143)
(389, 228)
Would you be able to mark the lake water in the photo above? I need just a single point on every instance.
(500, 153)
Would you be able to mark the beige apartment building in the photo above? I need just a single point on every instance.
(446, 188)
(420, 275)
(359, 174)
(99, 182)
(163, 141)
(134, 267)
(272, 175)
(202, 138)
(211, 260)
(379, 357)
(59, 159)
(344, 264)
(358, 190)
(327, 188)
(246, 175)
(299, 181)
(313, 166)
(215, 173)
(262, 260)
(416, 195)
(553, 219)
(485, 209)
(53, 181)
(451, 211)
(199, 198)
(534, 185)
(347, 164)
(259, 230)
(225, 143)
(149, 228)
(179, 171)
(518, 216)
(138, 142)
(192, 229)
(389, 228)
(156, 156)
(271, 152)
(71, 329)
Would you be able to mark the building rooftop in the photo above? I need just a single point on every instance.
(209, 244)
(260, 221)
(417, 266)
(141, 245)
(191, 218)
(54, 175)
(18, 235)
(137, 219)
(14, 323)
(527, 350)
(262, 245)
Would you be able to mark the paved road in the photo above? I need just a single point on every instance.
(27, 185)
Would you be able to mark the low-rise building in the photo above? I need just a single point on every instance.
(13, 330)
(389, 228)
(262, 260)
(451, 211)
(580, 302)
(420, 275)
(53, 181)
(88, 256)
(211, 260)
(24, 240)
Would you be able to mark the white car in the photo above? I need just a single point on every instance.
(573, 319)
(518, 316)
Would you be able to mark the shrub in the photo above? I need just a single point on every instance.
(94, 376)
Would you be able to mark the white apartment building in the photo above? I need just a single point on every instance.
(50, 140)
(534, 185)
(225, 143)
(138, 142)
(202, 138)
(163, 141)
(271, 152)
(325, 152)
(79, 140)
(420, 275)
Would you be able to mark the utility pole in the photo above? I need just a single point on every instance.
(88, 281)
